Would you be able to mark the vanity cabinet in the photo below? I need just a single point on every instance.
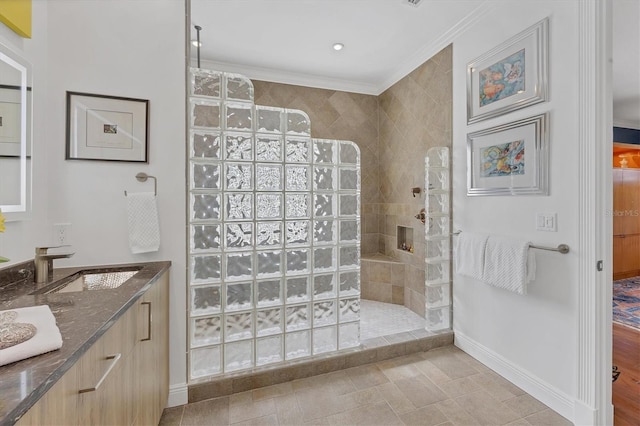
(123, 378)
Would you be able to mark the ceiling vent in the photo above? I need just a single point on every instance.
(414, 3)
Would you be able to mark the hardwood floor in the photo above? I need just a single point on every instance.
(626, 390)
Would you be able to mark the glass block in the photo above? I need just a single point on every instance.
(297, 345)
(324, 313)
(437, 180)
(238, 297)
(205, 114)
(205, 145)
(205, 300)
(268, 234)
(297, 232)
(269, 293)
(324, 179)
(268, 178)
(324, 259)
(323, 205)
(268, 119)
(269, 321)
(297, 289)
(238, 146)
(437, 157)
(205, 237)
(349, 283)
(238, 355)
(349, 179)
(205, 175)
(297, 205)
(239, 87)
(438, 249)
(350, 309)
(349, 153)
(238, 235)
(238, 176)
(298, 317)
(297, 178)
(438, 318)
(239, 116)
(349, 205)
(269, 263)
(298, 150)
(350, 256)
(349, 335)
(438, 296)
(239, 266)
(324, 286)
(205, 83)
(438, 203)
(297, 261)
(238, 206)
(268, 148)
(205, 206)
(206, 331)
(324, 152)
(324, 232)
(437, 272)
(298, 122)
(349, 231)
(325, 340)
(437, 226)
(268, 206)
(238, 326)
(269, 350)
(205, 361)
(205, 268)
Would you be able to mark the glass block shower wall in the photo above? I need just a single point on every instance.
(274, 220)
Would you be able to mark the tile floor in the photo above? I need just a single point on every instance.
(443, 386)
(379, 319)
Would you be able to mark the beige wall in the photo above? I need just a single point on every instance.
(394, 131)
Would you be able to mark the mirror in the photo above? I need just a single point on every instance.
(15, 134)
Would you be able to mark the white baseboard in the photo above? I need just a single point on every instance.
(178, 395)
(555, 399)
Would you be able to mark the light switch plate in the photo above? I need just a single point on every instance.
(547, 222)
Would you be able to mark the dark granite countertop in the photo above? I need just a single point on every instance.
(82, 317)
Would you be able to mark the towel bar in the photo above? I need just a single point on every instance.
(142, 177)
(562, 248)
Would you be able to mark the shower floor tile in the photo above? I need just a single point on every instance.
(379, 319)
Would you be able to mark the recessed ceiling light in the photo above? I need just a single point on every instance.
(195, 43)
(338, 46)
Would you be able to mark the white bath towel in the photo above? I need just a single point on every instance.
(144, 228)
(508, 264)
(469, 254)
(46, 339)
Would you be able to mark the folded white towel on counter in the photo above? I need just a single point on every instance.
(469, 254)
(46, 339)
(143, 224)
(509, 264)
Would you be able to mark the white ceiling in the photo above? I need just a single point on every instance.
(290, 41)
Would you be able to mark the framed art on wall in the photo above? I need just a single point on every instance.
(509, 77)
(510, 159)
(111, 128)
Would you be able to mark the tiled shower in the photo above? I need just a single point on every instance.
(274, 232)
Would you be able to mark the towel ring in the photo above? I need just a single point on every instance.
(142, 177)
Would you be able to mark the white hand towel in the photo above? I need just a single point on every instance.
(469, 254)
(508, 264)
(144, 228)
(46, 339)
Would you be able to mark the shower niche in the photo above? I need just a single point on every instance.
(404, 237)
(274, 219)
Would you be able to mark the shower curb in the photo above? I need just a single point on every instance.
(370, 351)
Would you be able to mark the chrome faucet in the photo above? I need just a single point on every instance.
(44, 262)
